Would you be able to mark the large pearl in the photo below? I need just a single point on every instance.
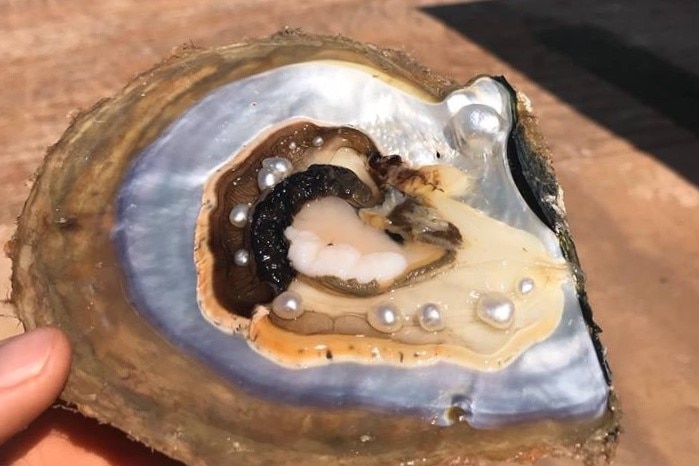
(385, 318)
(478, 120)
(496, 309)
(239, 215)
(288, 305)
(278, 164)
(267, 178)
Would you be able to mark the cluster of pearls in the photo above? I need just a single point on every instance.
(274, 169)
(387, 318)
(494, 308)
(239, 218)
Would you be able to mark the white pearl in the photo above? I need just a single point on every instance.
(318, 141)
(496, 309)
(241, 257)
(267, 178)
(482, 119)
(526, 285)
(292, 145)
(385, 318)
(278, 164)
(430, 317)
(477, 122)
(287, 305)
(239, 215)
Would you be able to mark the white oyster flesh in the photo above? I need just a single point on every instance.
(160, 199)
(339, 245)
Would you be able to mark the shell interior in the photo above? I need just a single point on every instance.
(323, 223)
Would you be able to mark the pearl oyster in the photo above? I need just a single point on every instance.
(303, 248)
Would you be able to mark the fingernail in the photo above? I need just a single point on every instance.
(23, 357)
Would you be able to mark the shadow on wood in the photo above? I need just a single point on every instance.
(644, 98)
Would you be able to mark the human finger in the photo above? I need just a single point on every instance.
(33, 369)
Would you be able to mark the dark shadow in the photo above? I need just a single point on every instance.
(644, 99)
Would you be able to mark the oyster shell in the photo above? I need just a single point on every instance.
(304, 248)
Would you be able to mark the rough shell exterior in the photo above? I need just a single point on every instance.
(125, 374)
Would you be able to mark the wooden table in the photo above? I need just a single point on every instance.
(636, 221)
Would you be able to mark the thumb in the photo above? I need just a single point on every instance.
(33, 370)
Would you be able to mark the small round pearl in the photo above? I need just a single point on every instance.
(385, 318)
(239, 215)
(429, 316)
(287, 305)
(292, 145)
(278, 164)
(267, 178)
(496, 309)
(241, 257)
(318, 141)
(526, 286)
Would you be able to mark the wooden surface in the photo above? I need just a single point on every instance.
(635, 220)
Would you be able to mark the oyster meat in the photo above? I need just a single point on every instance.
(304, 248)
